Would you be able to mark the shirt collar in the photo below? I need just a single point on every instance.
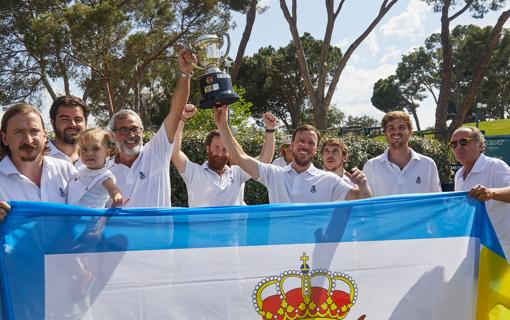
(480, 163)
(312, 170)
(205, 166)
(414, 156)
(7, 166)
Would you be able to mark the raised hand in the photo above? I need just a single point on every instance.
(269, 120)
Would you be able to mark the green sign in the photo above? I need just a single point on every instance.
(498, 147)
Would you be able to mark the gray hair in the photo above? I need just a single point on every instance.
(121, 115)
(475, 133)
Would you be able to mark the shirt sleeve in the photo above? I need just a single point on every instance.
(190, 169)
(501, 175)
(340, 189)
(266, 173)
(367, 170)
(159, 147)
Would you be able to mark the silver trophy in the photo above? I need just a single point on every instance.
(215, 84)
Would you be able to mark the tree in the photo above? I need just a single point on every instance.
(119, 52)
(478, 8)
(321, 92)
(250, 8)
(362, 121)
(31, 44)
(274, 83)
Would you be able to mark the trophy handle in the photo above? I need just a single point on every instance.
(227, 50)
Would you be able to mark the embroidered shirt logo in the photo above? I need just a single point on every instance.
(142, 175)
(313, 189)
(418, 180)
(62, 193)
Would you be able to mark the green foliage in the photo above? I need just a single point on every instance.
(239, 114)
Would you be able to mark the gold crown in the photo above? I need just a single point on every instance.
(306, 301)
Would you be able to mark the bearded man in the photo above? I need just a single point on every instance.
(68, 115)
(143, 172)
(216, 182)
(26, 174)
(300, 181)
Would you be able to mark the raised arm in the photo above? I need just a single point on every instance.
(247, 163)
(267, 152)
(179, 158)
(181, 93)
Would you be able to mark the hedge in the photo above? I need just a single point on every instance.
(361, 148)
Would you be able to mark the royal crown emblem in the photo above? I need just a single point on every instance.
(305, 294)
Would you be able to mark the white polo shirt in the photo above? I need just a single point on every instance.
(147, 182)
(87, 189)
(492, 173)
(56, 153)
(56, 175)
(285, 185)
(206, 188)
(418, 176)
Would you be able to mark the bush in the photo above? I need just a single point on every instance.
(361, 148)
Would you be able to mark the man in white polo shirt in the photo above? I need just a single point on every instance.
(400, 169)
(486, 179)
(68, 116)
(215, 182)
(300, 181)
(143, 173)
(25, 173)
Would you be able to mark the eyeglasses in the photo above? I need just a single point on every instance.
(126, 130)
(462, 142)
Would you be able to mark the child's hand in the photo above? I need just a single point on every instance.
(117, 200)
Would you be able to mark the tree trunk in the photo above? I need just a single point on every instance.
(319, 99)
(446, 75)
(250, 21)
(46, 82)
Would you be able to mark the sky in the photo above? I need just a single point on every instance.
(405, 26)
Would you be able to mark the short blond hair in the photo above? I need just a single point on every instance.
(97, 134)
(393, 115)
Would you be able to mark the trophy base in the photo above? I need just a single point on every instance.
(224, 98)
(216, 90)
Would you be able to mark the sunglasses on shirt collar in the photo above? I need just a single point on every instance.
(462, 142)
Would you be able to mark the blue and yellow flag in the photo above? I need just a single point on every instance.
(431, 256)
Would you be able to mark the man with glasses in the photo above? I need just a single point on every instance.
(68, 115)
(486, 179)
(143, 172)
(400, 169)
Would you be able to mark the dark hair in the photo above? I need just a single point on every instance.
(335, 142)
(20, 108)
(68, 101)
(307, 127)
(210, 136)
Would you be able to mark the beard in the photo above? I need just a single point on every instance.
(122, 147)
(216, 163)
(298, 159)
(29, 148)
(67, 138)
